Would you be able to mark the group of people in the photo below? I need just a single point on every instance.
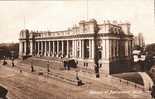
(5, 62)
(66, 65)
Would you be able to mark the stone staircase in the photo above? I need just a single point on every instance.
(54, 63)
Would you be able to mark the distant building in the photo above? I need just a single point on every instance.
(139, 40)
(109, 45)
(138, 56)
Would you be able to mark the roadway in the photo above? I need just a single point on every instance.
(27, 85)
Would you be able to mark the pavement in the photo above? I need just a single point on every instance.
(27, 85)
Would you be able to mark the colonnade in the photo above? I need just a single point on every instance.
(77, 48)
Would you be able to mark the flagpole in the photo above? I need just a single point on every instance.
(24, 22)
(154, 11)
(87, 9)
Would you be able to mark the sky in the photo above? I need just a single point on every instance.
(62, 14)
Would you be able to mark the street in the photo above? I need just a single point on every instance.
(27, 85)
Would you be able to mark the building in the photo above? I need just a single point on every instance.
(108, 45)
(139, 40)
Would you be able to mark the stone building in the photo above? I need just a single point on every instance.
(109, 45)
(139, 40)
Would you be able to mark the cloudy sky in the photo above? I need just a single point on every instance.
(59, 15)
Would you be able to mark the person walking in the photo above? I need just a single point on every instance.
(13, 62)
(32, 68)
(79, 81)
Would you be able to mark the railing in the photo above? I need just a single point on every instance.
(126, 83)
(118, 82)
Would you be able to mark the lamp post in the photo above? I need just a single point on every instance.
(4, 62)
(32, 68)
(96, 67)
(48, 68)
(12, 58)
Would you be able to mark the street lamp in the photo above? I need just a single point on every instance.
(4, 62)
(96, 67)
(48, 68)
(12, 57)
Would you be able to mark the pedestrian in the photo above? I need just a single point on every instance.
(77, 76)
(32, 68)
(20, 71)
(68, 65)
(65, 65)
(13, 62)
(79, 82)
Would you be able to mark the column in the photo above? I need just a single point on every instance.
(38, 47)
(82, 48)
(20, 48)
(45, 48)
(42, 47)
(110, 49)
(103, 49)
(114, 47)
(80, 52)
(93, 47)
(31, 48)
(49, 48)
(53, 48)
(62, 43)
(35, 48)
(126, 47)
(73, 48)
(90, 48)
(57, 48)
(131, 48)
(118, 42)
(67, 48)
(107, 49)
(25, 48)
